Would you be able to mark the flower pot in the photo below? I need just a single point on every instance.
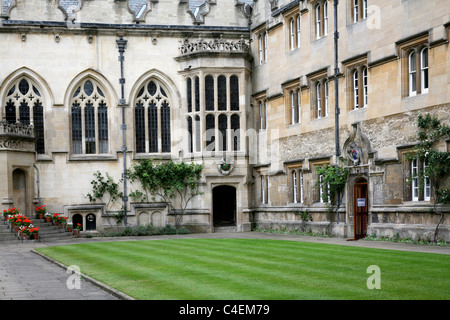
(35, 236)
(69, 229)
(75, 232)
(48, 219)
(41, 216)
(55, 223)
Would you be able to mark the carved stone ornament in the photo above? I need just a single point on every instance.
(357, 146)
(354, 153)
(225, 166)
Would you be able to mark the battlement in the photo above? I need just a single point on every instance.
(156, 12)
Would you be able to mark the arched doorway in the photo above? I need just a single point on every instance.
(224, 206)
(360, 208)
(91, 223)
(20, 190)
(77, 219)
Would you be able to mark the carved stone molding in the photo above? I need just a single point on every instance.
(216, 45)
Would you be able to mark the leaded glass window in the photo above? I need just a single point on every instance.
(152, 119)
(234, 93)
(209, 93)
(89, 119)
(24, 104)
(215, 111)
(222, 93)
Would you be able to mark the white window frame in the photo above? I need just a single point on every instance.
(414, 180)
(294, 185)
(326, 99)
(266, 46)
(260, 44)
(318, 22)
(412, 74)
(427, 184)
(318, 100)
(292, 34)
(298, 31)
(355, 11)
(365, 87)
(355, 89)
(423, 71)
(301, 186)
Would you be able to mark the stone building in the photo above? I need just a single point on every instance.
(246, 88)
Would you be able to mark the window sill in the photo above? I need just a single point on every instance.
(89, 157)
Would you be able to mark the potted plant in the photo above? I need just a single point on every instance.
(10, 212)
(25, 232)
(69, 226)
(62, 222)
(55, 219)
(34, 233)
(76, 231)
(40, 212)
(48, 217)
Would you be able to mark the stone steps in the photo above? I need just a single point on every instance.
(47, 232)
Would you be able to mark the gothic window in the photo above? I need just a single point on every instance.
(89, 119)
(152, 119)
(24, 103)
(217, 114)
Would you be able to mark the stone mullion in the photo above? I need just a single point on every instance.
(83, 126)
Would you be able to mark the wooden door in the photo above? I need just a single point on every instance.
(360, 209)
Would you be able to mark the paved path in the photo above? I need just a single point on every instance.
(25, 275)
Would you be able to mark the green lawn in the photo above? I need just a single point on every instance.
(224, 269)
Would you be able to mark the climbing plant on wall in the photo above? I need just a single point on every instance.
(176, 184)
(436, 170)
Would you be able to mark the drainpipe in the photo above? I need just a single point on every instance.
(336, 96)
(121, 44)
(38, 184)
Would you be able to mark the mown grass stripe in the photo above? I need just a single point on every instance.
(257, 269)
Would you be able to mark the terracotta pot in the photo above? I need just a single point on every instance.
(55, 223)
(41, 216)
(69, 229)
(35, 236)
(48, 219)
